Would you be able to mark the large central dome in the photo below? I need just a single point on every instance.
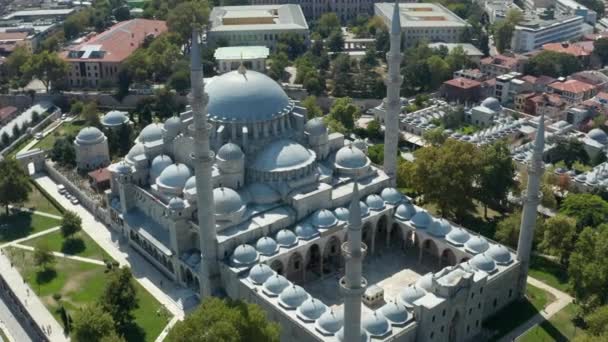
(246, 97)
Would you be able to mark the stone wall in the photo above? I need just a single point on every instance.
(20, 312)
(31, 131)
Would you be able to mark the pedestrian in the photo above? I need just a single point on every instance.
(50, 329)
(28, 292)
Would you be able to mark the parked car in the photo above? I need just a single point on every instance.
(38, 136)
(61, 189)
(74, 200)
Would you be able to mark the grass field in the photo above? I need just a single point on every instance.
(549, 272)
(67, 128)
(81, 245)
(20, 224)
(559, 328)
(37, 201)
(80, 283)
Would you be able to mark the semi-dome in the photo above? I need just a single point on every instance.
(329, 323)
(174, 176)
(395, 312)
(114, 118)
(244, 255)
(477, 244)
(421, 219)
(598, 135)
(482, 262)
(341, 213)
(230, 151)
(266, 246)
(190, 183)
(274, 285)
(89, 135)
(292, 297)
(323, 219)
(283, 155)
(261, 193)
(249, 97)
(440, 227)
(364, 209)
(315, 127)
(311, 310)
(458, 236)
(492, 103)
(426, 282)
(374, 202)
(226, 201)
(411, 294)
(306, 231)
(500, 254)
(176, 203)
(150, 133)
(376, 324)
(173, 125)
(286, 238)
(260, 273)
(350, 157)
(405, 212)
(391, 195)
(159, 164)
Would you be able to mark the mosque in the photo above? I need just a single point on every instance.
(242, 196)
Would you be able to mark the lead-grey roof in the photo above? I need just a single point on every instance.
(283, 155)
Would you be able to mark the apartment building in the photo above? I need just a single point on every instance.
(534, 33)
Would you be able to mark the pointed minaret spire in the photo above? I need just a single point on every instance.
(353, 284)
(393, 99)
(203, 162)
(531, 199)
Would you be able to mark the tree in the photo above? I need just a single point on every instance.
(47, 67)
(70, 224)
(588, 210)
(435, 137)
(75, 24)
(63, 152)
(588, 269)
(186, 16)
(597, 321)
(344, 111)
(370, 60)
(376, 153)
(312, 108)
(458, 59)
(600, 49)
(278, 63)
(507, 230)
(441, 71)
(14, 184)
(503, 33)
(569, 151)
(327, 24)
(496, 176)
(374, 130)
(554, 64)
(225, 320)
(180, 81)
(43, 256)
(90, 114)
(559, 237)
(341, 76)
(292, 44)
(335, 41)
(91, 323)
(119, 298)
(14, 63)
(122, 13)
(5, 139)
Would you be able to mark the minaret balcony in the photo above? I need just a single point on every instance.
(350, 291)
(346, 251)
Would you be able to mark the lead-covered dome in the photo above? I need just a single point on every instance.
(391, 195)
(405, 211)
(350, 157)
(150, 133)
(329, 323)
(114, 118)
(159, 164)
(246, 98)
(500, 254)
(440, 227)
(374, 202)
(492, 103)
(421, 219)
(411, 294)
(483, 262)
(286, 238)
(174, 176)
(376, 324)
(266, 246)
(598, 135)
(176, 203)
(260, 273)
(395, 312)
(311, 310)
(226, 201)
(458, 236)
(274, 285)
(292, 297)
(173, 125)
(261, 193)
(315, 127)
(306, 231)
(244, 255)
(283, 155)
(476, 245)
(89, 135)
(341, 213)
(324, 219)
(230, 151)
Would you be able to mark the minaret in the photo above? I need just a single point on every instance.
(393, 100)
(531, 201)
(353, 285)
(203, 162)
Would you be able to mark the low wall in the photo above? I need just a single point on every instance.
(20, 312)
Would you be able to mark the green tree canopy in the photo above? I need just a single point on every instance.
(554, 64)
(63, 152)
(91, 323)
(345, 112)
(47, 67)
(559, 237)
(14, 184)
(569, 151)
(497, 173)
(70, 224)
(185, 16)
(119, 298)
(588, 269)
(312, 108)
(600, 49)
(435, 136)
(597, 321)
(327, 24)
(507, 230)
(588, 210)
(43, 256)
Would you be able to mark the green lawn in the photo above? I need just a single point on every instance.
(81, 283)
(66, 128)
(518, 312)
(20, 224)
(37, 201)
(559, 328)
(549, 272)
(81, 244)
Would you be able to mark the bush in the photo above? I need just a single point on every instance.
(56, 296)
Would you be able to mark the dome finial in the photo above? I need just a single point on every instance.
(242, 68)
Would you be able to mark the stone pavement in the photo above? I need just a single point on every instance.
(562, 300)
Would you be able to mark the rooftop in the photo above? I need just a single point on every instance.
(420, 15)
(241, 52)
(575, 49)
(7, 111)
(100, 175)
(572, 86)
(39, 12)
(463, 83)
(259, 17)
(504, 60)
(469, 49)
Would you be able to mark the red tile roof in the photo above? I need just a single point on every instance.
(504, 60)
(572, 86)
(463, 83)
(12, 36)
(7, 111)
(100, 175)
(119, 41)
(529, 78)
(574, 49)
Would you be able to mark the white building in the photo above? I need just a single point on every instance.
(533, 34)
(256, 25)
(313, 9)
(252, 57)
(91, 147)
(575, 7)
(424, 21)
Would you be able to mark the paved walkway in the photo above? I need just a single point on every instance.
(35, 235)
(41, 213)
(11, 327)
(63, 255)
(146, 274)
(562, 300)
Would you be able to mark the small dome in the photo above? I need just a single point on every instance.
(261, 193)
(306, 231)
(274, 285)
(421, 219)
(136, 150)
(260, 273)
(350, 157)
(329, 323)
(440, 227)
(364, 209)
(244, 255)
(426, 282)
(174, 176)
(150, 133)
(190, 183)
(114, 118)
(376, 324)
(159, 164)
(173, 125)
(500, 254)
(89, 135)
(458, 236)
(286, 238)
(292, 297)
(374, 202)
(492, 103)
(476, 245)
(598, 135)
(283, 155)
(483, 262)
(411, 294)
(342, 213)
(395, 312)
(123, 168)
(315, 127)
(311, 310)
(229, 152)
(266, 246)
(323, 219)
(176, 203)
(405, 212)
(391, 195)
(226, 201)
